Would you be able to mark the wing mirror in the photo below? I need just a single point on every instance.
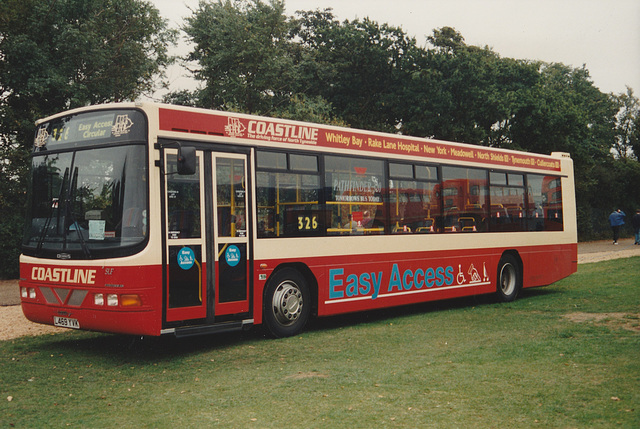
(186, 160)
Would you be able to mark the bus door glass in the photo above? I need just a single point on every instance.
(186, 291)
(231, 233)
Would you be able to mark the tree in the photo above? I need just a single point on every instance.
(253, 58)
(454, 91)
(355, 66)
(627, 139)
(242, 49)
(310, 109)
(565, 112)
(61, 54)
(13, 167)
(69, 53)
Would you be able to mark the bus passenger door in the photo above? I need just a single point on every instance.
(231, 239)
(186, 256)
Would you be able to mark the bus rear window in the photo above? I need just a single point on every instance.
(545, 202)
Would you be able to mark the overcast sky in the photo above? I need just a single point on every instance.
(604, 35)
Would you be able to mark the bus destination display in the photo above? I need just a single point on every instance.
(87, 128)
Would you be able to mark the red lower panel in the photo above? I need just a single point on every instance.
(548, 264)
(130, 298)
(346, 283)
(121, 322)
(365, 282)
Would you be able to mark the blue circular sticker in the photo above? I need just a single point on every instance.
(186, 258)
(232, 255)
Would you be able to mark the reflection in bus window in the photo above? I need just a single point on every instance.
(354, 192)
(507, 202)
(230, 188)
(545, 195)
(414, 204)
(465, 193)
(414, 199)
(88, 202)
(183, 201)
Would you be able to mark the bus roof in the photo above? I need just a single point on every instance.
(251, 129)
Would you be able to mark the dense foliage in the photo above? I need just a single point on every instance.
(61, 54)
(251, 57)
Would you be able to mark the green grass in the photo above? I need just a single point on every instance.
(459, 363)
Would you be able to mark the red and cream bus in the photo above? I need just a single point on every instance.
(152, 219)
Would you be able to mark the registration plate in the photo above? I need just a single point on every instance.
(66, 322)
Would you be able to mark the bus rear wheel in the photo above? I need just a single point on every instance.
(509, 278)
(287, 303)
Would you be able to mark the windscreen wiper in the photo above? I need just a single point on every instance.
(69, 215)
(55, 204)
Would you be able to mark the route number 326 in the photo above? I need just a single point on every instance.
(306, 223)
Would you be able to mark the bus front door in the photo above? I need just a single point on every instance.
(231, 239)
(207, 246)
(185, 294)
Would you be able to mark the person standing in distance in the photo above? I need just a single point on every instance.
(635, 222)
(616, 220)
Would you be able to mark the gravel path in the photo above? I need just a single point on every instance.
(13, 324)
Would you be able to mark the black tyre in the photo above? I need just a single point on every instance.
(287, 303)
(509, 278)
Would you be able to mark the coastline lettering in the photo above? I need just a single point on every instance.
(63, 275)
(282, 132)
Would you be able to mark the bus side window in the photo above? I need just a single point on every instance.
(288, 195)
(466, 193)
(354, 195)
(231, 192)
(183, 202)
(414, 198)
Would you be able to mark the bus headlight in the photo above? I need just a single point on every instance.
(32, 293)
(23, 292)
(112, 300)
(98, 299)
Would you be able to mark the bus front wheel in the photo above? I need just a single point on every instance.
(287, 303)
(509, 278)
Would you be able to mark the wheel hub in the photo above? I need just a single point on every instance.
(507, 279)
(287, 303)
